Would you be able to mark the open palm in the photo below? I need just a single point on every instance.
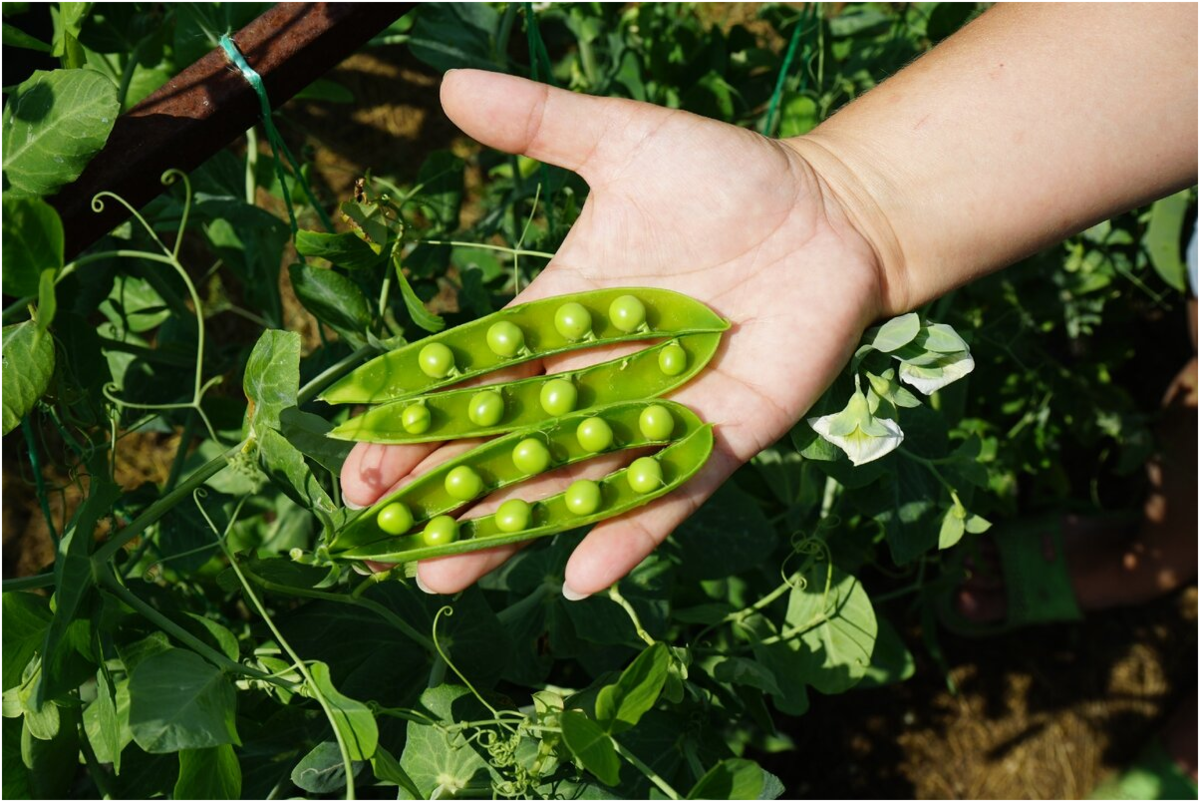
(678, 201)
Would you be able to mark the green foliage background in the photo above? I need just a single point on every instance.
(199, 645)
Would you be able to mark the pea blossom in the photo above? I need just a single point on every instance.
(862, 436)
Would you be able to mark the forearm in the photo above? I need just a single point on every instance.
(1031, 124)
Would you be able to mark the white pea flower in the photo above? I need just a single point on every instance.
(930, 378)
(863, 437)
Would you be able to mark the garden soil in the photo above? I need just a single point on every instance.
(1039, 714)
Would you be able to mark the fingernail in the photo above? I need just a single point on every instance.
(424, 587)
(350, 505)
(570, 594)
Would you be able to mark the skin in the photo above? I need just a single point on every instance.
(1008, 137)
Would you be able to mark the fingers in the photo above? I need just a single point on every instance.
(454, 573)
(372, 469)
(581, 133)
(615, 547)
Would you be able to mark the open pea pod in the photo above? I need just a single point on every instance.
(615, 494)
(522, 455)
(520, 333)
(507, 406)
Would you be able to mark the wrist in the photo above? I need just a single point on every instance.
(859, 195)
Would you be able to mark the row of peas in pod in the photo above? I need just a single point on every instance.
(544, 422)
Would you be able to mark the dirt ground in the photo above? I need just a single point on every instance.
(1037, 714)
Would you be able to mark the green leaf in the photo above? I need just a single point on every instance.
(1163, 239)
(53, 124)
(15, 37)
(333, 299)
(839, 630)
(178, 701)
(441, 182)
(41, 769)
(47, 301)
(416, 309)
(433, 759)
(896, 333)
(33, 243)
(953, 526)
(352, 718)
(272, 379)
(347, 250)
(322, 771)
(26, 617)
(108, 721)
(727, 535)
(891, 661)
(449, 36)
(730, 779)
(387, 770)
(73, 581)
(28, 366)
(592, 746)
(744, 671)
(222, 638)
(212, 773)
(306, 432)
(621, 705)
(287, 468)
(370, 222)
(43, 724)
(798, 114)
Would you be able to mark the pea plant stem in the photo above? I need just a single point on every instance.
(342, 598)
(316, 691)
(615, 595)
(487, 247)
(326, 377)
(114, 585)
(39, 482)
(650, 773)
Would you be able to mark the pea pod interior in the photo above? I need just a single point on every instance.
(398, 374)
(635, 376)
(427, 496)
(679, 462)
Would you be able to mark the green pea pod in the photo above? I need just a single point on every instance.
(526, 331)
(448, 415)
(678, 462)
(493, 463)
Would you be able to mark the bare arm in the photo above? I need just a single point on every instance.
(1032, 123)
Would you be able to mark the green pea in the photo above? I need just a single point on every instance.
(645, 475)
(583, 497)
(463, 483)
(559, 397)
(513, 515)
(395, 519)
(486, 408)
(531, 456)
(672, 360)
(436, 361)
(627, 313)
(556, 325)
(440, 531)
(573, 321)
(415, 419)
(513, 458)
(505, 338)
(656, 422)
(594, 434)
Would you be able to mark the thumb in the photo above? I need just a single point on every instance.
(584, 134)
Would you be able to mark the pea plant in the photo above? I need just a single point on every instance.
(207, 629)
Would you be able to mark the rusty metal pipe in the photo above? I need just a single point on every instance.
(209, 104)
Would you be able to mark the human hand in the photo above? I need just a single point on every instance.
(738, 221)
